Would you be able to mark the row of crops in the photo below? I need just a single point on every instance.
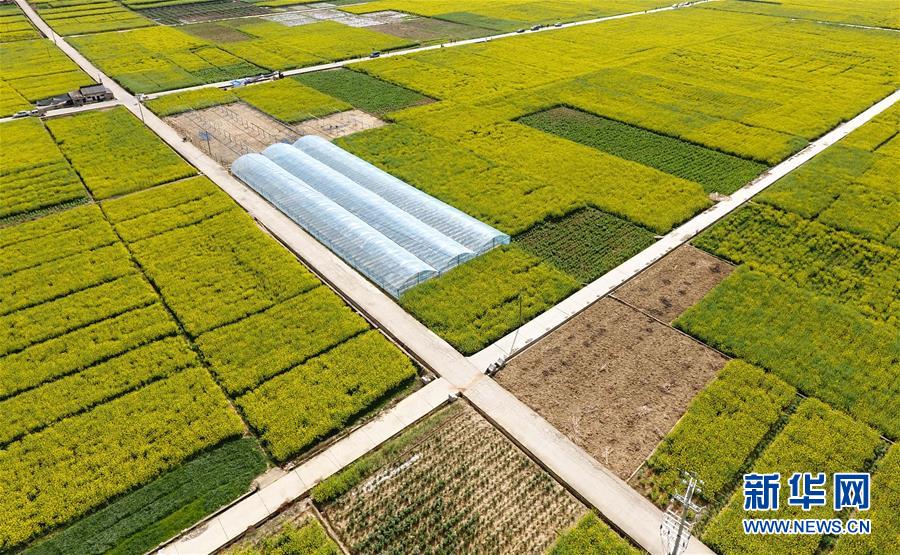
(449, 483)
(286, 100)
(769, 428)
(33, 171)
(452, 483)
(14, 25)
(813, 307)
(296, 380)
(716, 171)
(75, 17)
(144, 334)
(100, 154)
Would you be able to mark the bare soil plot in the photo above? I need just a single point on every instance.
(675, 283)
(451, 484)
(428, 29)
(212, 31)
(234, 130)
(613, 380)
(316, 13)
(238, 128)
(339, 124)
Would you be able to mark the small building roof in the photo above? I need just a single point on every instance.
(94, 89)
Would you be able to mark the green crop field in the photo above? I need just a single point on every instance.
(289, 101)
(163, 345)
(115, 154)
(161, 58)
(591, 537)
(854, 12)
(362, 90)
(885, 512)
(716, 171)
(508, 15)
(479, 302)
(33, 172)
(816, 439)
(307, 538)
(312, 401)
(743, 404)
(91, 368)
(586, 244)
(138, 521)
(14, 25)
(234, 291)
(822, 348)
(172, 104)
(245, 354)
(799, 249)
(849, 186)
(97, 374)
(275, 46)
(856, 272)
(32, 70)
(76, 17)
(55, 475)
(468, 149)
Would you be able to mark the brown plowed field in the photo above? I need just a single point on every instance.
(613, 380)
(675, 283)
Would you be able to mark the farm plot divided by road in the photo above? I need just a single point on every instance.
(481, 147)
(146, 347)
(453, 483)
(161, 353)
(824, 356)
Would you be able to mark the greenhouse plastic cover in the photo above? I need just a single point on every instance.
(361, 246)
(372, 220)
(454, 223)
(425, 242)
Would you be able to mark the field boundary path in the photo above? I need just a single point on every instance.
(623, 507)
(450, 44)
(519, 339)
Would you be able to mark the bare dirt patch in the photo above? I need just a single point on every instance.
(234, 130)
(238, 128)
(339, 124)
(315, 13)
(428, 29)
(613, 380)
(675, 283)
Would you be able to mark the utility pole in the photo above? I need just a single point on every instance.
(205, 135)
(677, 524)
(140, 100)
(495, 367)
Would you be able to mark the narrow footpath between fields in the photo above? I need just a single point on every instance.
(624, 507)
